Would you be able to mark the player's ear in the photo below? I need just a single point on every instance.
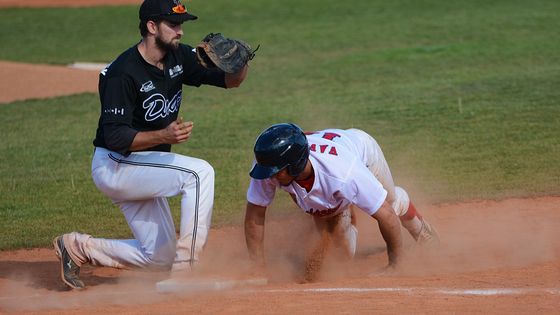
(152, 26)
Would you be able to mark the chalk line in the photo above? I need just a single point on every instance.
(413, 290)
(403, 290)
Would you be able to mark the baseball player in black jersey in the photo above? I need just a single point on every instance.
(140, 95)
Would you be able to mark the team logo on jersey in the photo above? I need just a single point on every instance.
(157, 106)
(175, 71)
(147, 86)
(325, 212)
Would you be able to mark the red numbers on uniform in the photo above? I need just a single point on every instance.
(323, 147)
(330, 135)
(326, 135)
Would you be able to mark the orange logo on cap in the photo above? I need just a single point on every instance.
(179, 9)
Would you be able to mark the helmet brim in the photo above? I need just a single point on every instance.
(263, 172)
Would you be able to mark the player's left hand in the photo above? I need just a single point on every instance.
(230, 55)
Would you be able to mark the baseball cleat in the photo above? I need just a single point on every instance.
(182, 267)
(69, 270)
(428, 235)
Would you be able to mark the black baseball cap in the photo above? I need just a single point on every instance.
(169, 10)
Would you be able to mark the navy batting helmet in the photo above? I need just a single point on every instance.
(278, 147)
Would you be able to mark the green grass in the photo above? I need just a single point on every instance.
(462, 96)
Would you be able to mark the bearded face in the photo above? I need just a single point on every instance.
(169, 36)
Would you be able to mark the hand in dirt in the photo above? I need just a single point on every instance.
(257, 270)
(389, 270)
(312, 269)
(308, 278)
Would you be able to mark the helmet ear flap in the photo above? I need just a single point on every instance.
(296, 168)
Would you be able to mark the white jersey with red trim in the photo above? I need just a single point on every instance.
(341, 177)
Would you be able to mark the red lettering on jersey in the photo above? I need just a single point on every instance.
(307, 133)
(323, 149)
(330, 135)
(324, 212)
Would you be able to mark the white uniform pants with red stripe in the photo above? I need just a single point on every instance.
(140, 184)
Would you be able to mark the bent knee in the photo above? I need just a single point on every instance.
(401, 202)
(160, 261)
(200, 167)
(207, 169)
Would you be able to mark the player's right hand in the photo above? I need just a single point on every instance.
(389, 270)
(257, 271)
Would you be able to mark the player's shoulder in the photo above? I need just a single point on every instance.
(327, 134)
(187, 47)
(125, 64)
(332, 137)
(330, 171)
(184, 51)
(329, 153)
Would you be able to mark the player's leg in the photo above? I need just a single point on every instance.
(153, 245)
(420, 229)
(196, 213)
(409, 216)
(145, 175)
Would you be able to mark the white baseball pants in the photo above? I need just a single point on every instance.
(376, 163)
(140, 184)
(397, 197)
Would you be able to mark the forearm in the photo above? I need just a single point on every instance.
(176, 132)
(146, 139)
(316, 256)
(254, 232)
(394, 245)
(390, 228)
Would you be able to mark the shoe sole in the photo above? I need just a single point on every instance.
(58, 253)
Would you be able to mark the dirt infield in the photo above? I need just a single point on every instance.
(24, 81)
(20, 81)
(496, 257)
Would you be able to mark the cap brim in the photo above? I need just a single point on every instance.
(263, 172)
(179, 18)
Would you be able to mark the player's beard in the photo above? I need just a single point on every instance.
(167, 46)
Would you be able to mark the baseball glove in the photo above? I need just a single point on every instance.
(230, 55)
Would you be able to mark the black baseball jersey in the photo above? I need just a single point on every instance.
(137, 96)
